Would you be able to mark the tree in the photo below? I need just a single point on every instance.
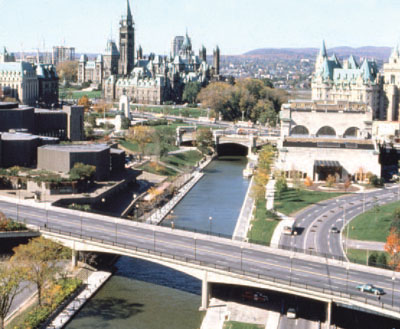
(347, 184)
(67, 71)
(281, 185)
(396, 219)
(308, 182)
(190, 92)
(82, 171)
(142, 135)
(10, 285)
(392, 247)
(204, 140)
(40, 260)
(85, 102)
(330, 180)
(125, 123)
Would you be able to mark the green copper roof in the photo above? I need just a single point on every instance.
(322, 51)
(352, 63)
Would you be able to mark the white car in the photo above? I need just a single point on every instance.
(291, 313)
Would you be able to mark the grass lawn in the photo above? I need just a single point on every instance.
(263, 225)
(373, 225)
(149, 149)
(19, 319)
(182, 160)
(169, 110)
(360, 256)
(76, 94)
(292, 201)
(241, 325)
(155, 168)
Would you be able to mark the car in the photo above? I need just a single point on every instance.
(291, 313)
(334, 229)
(255, 296)
(370, 288)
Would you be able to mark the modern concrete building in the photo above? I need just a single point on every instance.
(20, 149)
(62, 158)
(64, 124)
(63, 54)
(176, 45)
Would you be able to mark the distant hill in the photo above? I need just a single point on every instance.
(379, 53)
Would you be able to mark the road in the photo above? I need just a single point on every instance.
(257, 261)
(313, 224)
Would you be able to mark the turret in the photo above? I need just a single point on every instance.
(216, 61)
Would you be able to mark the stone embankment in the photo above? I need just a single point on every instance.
(94, 282)
(158, 216)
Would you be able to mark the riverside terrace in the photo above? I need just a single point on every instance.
(215, 260)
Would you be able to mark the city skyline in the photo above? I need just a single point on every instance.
(87, 25)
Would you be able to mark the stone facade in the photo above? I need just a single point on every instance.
(320, 138)
(392, 84)
(348, 81)
(28, 83)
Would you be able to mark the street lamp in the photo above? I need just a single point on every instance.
(241, 258)
(172, 219)
(19, 198)
(393, 280)
(347, 277)
(137, 212)
(291, 267)
(210, 220)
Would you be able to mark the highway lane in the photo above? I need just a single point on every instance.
(314, 223)
(213, 251)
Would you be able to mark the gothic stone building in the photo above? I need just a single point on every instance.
(150, 80)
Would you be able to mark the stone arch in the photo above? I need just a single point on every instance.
(326, 131)
(352, 132)
(299, 130)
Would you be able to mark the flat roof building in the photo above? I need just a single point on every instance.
(62, 158)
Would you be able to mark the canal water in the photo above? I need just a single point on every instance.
(142, 295)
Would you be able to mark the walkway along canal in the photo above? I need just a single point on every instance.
(142, 295)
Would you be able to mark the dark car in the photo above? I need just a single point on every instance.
(334, 229)
(370, 288)
(255, 296)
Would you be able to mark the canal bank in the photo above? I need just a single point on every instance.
(142, 295)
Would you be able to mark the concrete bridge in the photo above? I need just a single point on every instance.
(227, 138)
(215, 260)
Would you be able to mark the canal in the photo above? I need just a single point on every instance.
(143, 295)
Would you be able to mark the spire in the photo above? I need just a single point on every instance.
(395, 52)
(323, 52)
(129, 13)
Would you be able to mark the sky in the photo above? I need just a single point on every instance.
(237, 26)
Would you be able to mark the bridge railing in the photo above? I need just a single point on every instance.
(311, 252)
(267, 275)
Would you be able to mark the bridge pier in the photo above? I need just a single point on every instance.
(205, 292)
(329, 314)
(74, 258)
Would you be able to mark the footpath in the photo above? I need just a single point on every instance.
(160, 214)
(243, 222)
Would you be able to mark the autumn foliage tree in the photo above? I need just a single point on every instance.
(85, 102)
(67, 71)
(308, 182)
(142, 135)
(40, 261)
(10, 285)
(261, 177)
(392, 247)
